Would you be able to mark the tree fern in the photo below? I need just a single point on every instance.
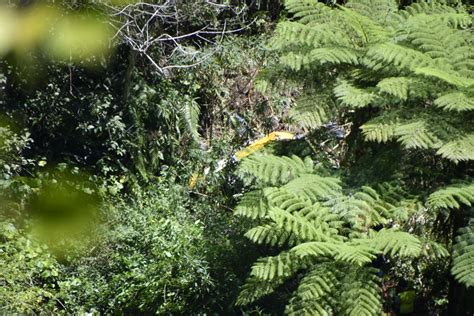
(394, 75)
(321, 227)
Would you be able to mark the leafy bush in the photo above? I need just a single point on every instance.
(28, 273)
(151, 258)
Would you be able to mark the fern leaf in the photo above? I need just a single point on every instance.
(457, 101)
(333, 55)
(379, 132)
(287, 201)
(191, 113)
(311, 112)
(301, 227)
(367, 29)
(354, 253)
(424, 7)
(461, 149)
(391, 242)
(374, 9)
(313, 187)
(315, 249)
(255, 288)
(362, 293)
(308, 10)
(396, 86)
(274, 170)
(269, 268)
(317, 283)
(434, 250)
(308, 308)
(463, 256)
(452, 197)
(401, 57)
(269, 235)
(352, 96)
(448, 77)
(252, 205)
(416, 135)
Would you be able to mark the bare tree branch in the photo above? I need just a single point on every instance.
(161, 27)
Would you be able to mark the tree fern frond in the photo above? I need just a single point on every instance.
(191, 113)
(412, 134)
(391, 242)
(291, 34)
(431, 34)
(461, 149)
(443, 75)
(311, 113)
(287, 201)
(379, 132)
(255, 288)
(270, 235)
(298, 307)
(374, 9)
(362, 293)
(452, 197)
(456, 101)
(354, 253)
(252, 205)
(349, 253)
(318, 282)
(455, 20)
(401, 57)
(396, 86)
(392, 192)
(425, 7)
(320, 56)
(314, 187)
(463, 255)
(434, 250)
(334, 55)
(352, 96)
(281, 266)
(362, 210)
(315, 249)
(416, 135)
(273, 169)
(400, 72)
(308, 11)
(301, 227)
(368, 30)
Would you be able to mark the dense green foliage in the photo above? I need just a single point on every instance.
(397, 77)
(122, 190)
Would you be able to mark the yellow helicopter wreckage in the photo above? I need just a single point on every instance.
(250, 149)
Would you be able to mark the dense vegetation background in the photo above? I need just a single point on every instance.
(121, 165)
